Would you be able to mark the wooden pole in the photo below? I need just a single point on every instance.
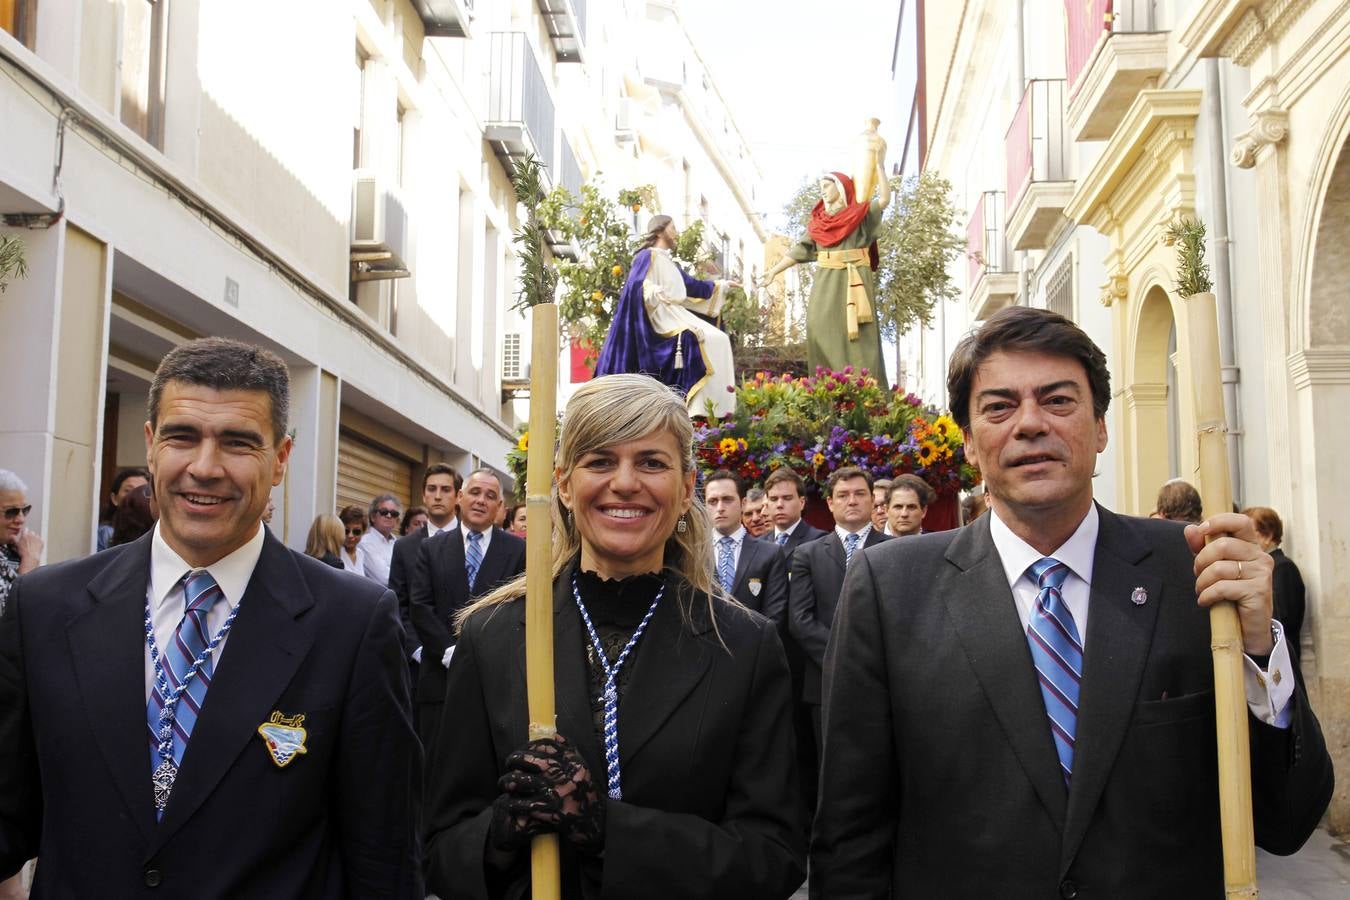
(1230, 696)
(545, 873)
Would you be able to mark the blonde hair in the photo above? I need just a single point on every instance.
(326, 535)
(615, 409)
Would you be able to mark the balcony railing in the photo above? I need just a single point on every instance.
(1037, 140)
(1088, 21)
(444, 18)
(520, 111)
(986, 241)
(566, 22)
(569, 173)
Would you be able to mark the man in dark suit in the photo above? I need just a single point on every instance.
(817, 575)
(204, 711)
(786, 493)
(985, 735)
(754, 572)
(440, 496)
(454, 569)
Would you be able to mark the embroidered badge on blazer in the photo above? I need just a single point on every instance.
(755, 586)
(284, 737)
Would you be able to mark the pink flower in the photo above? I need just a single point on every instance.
(731, 389)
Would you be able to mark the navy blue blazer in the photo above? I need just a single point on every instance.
(340, 820)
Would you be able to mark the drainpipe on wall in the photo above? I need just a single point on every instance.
(1223, 281)
(1023, 275)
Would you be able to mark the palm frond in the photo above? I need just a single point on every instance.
(538, 278)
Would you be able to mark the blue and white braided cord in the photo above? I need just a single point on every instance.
(611, 718)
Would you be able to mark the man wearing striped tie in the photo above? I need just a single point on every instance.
(204, 712)
(1024, 707)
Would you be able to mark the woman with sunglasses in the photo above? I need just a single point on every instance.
(353, 555)
(673, 771)
(20, 549)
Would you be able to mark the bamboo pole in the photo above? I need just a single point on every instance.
(545, 872)
(1230, 696)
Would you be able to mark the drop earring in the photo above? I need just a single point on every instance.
(682, 525)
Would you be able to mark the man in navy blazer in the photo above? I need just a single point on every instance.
(290, 767)
(758, 569)
(441, 586)
(1024, 707)
(785, 491)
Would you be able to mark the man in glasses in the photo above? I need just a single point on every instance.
(20, 549)
(381, 536)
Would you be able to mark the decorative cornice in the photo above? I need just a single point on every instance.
(1319, 366)
(1146, 395)
(1269, 127)
(1239, 29)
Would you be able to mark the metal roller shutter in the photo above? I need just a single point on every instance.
(365, 470)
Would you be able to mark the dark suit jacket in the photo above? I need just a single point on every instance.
(710, 805)
(439, 590)
(940, 777)
(1289, 599)
(817, 576)
(804, 533)
(338, 821)
(402, 563)
(761, 581)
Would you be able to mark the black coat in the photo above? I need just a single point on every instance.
(440, 589)
(761, 581)
(710, 805)
(804, 533)
(1290, 602)
(940, 777)
(817, 576)
(340, 820)
(402, 564)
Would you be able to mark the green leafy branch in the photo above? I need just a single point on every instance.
(538, 279)
(12, 263)
(1188, 236)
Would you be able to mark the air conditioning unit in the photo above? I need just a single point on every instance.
(380, 242)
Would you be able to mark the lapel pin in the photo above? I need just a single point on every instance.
(755, 586)
(1139, 596)
(284, 737)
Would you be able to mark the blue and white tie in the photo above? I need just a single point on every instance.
(851, 547)
(726, 563)
(473, 556)
(781, 539)
(1057, 651)
(200, 593)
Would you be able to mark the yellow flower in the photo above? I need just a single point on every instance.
(617, 270)
(926, 453)
(597, 295)
(818, 459)
(946, 426)
(523, 445)
(727, 446)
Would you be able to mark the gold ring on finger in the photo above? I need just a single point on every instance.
(1240, 575)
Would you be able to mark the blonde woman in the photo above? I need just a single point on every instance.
(674, 772)
(326, 539)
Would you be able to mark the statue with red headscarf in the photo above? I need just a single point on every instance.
(841, 328)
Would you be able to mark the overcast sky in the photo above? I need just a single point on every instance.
(772, 62)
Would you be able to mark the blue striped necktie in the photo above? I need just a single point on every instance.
(781, 539)
(473, 556)
(851, 547)
(1057, 651)
(200, 593)
(726, 565)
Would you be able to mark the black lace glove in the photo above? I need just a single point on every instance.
(548, 788)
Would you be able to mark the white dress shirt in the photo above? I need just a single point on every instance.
(379, 554)
(168, 603)
(432, 530)
(1267, 696)
(861, 533)
(788, 530)
(482, 545)
(738, 537)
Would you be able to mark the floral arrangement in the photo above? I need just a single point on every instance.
(817, 424)
(823, 422)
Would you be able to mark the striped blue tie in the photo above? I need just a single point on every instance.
(781, 539)
(473, 556)
(200, 593)
(851, 547)
(1057, 651)
(726, 565)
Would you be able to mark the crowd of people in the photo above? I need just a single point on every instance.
(738, 690)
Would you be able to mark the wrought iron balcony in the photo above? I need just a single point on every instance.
(993, 284)
(566, 21)
(520, 111)
(1038, 165)
(1115, 51)
(569, 176)
(444, 18)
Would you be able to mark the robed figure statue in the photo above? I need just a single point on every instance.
(841, 328)
(665, 327)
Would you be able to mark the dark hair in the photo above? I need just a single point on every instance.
(511, 513)
(726, 475)
(133, 517)
(923, 491)
(443, 469)
(783, 473)
(655, 225)
(1180, 502)
(352, 514)
(1267, 522)
(226, 365)
(408, 517)
(1026, 330)
(846, 473)
(110, 508)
